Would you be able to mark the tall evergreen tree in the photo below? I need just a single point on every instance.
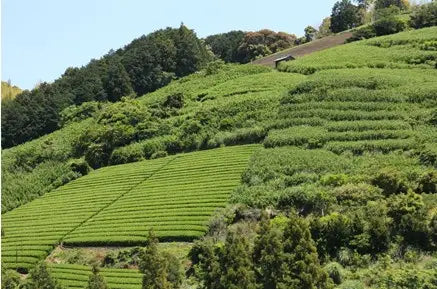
(269, 256)
(205, 263)
(300, 255)
(345, 15)
(116, 81)
(40, 278)
(153, 266)
(95, 280)
(236, 263)
(189, 51)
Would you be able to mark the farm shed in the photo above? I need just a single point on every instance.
(284, 58)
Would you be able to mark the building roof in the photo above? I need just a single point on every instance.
(286, 57)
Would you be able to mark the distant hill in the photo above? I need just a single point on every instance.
(142, 66)
(8, 91)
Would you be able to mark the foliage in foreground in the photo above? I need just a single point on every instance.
(280, 258)
(95, 280)
(160, 271)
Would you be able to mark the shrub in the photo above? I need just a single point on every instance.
(424, 15)
(80, 166)
(335, 272)
(95, 280)
(428, 155)
(334, 180)
(331, 232)
(80, 112)
(10, 279)
(40, 277)
(159, 154)
(428, 183)
(365, 32)
(127, 154)
(433, 230)
(175, 101)
(372, 229)
(97, 155)
(305, 199)
(390, 181)
(389, 25)
(409, 218)
(357, 194)
(214, 67)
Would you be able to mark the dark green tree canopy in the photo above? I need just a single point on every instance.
(144, 65)
(344, 16)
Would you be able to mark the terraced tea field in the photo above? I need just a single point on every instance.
(402, 50)
(76, 276)
(357, 111)
(118, 205)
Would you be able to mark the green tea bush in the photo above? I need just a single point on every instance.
(380, 52)
(391, 181)
(357, 194)
(359, 147)
(307, 136)
(427, 182)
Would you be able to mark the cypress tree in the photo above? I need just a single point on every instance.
(303, 267)
(269, 255)
(95, 280)
(40, 278)
(153, 266)
(236, 263)
(116, 81)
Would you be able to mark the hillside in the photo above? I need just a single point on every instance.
(144, 65)
(139, 196)
(347, 170)
(8, 91)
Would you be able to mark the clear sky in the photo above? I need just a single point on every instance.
(40, 39)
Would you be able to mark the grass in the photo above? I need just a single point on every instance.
(118, 205)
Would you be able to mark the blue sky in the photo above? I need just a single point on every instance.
(40, 39)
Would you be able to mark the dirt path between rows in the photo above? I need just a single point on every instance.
(305, 49)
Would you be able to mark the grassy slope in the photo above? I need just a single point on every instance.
(236, 105)
(8, 91)
(258, 89)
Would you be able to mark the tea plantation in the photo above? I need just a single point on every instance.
(119, 205)
(76, 276)
(343, 140)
